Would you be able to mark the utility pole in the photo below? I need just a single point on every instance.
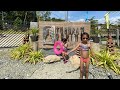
(66, 16)
(118, 37)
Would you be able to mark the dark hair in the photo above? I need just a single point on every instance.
(84, 33)
(64, 40)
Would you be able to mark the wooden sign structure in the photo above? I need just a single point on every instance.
(70, 30)
(110, 44)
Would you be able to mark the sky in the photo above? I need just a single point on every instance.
(76, 16)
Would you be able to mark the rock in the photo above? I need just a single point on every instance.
(51, 58)
(118, 62)
(91, 76)
(96, 49)
(75, 61)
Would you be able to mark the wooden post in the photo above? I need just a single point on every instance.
(35, 45)
(110, 45)
(118, 37)
(40, 40)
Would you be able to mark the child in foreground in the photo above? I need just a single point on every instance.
(64, 52)
(85, 46)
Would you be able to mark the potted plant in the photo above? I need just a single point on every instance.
(34, 36)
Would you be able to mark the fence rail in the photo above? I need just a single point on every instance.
(12, 35)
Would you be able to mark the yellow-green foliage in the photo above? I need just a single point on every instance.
(35, 56)
(117, 55)
(26, 53)
(34, 31)
(106, 60)
(21, 52)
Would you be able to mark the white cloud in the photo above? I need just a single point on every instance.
(58, 14)
(79, 20)
(101, 21)
(72, 18)
(61, 12)
(112, 20)
(69, 17)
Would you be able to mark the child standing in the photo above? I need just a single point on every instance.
(64, 53)
(85, 46)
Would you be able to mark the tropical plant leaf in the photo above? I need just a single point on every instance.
(107, 61)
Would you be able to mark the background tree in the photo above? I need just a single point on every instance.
(43, 15)
(94, 26)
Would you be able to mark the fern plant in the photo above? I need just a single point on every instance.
(35, 56)
(26, 53)
(106, 60)
(21, 51)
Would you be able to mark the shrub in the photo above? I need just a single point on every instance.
(26, 53)
(21, 51)
(106, 60)
(35, 56)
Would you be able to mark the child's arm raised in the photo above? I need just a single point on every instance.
(74, 48)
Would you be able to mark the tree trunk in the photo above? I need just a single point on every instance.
(25, 18)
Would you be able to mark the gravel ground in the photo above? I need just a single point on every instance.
(11, 69)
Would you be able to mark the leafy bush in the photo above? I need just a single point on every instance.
(21, 52)
(35, 56)
(106, 60)
(26, 53)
